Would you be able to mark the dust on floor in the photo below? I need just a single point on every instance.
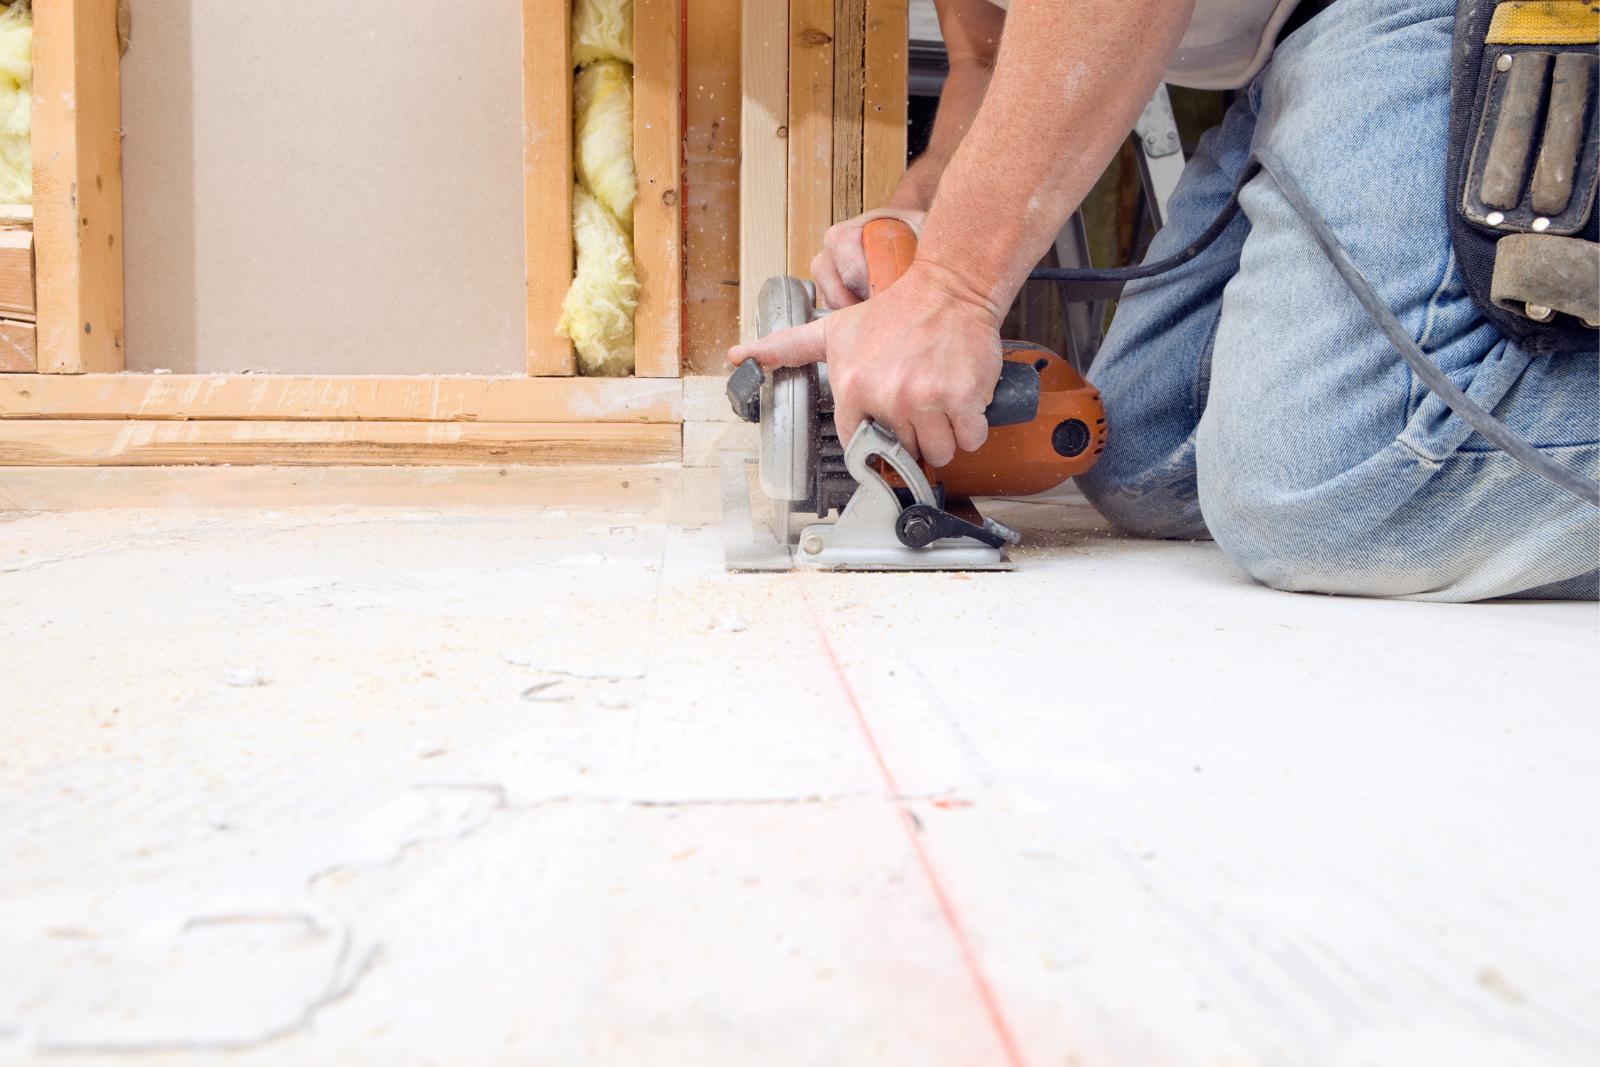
(423, 781)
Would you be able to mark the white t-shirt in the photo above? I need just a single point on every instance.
(1227, 43)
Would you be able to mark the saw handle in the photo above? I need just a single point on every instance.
(890, 246)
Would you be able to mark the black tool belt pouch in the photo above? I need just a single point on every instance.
(1524, 162)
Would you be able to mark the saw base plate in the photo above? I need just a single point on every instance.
(763, 539)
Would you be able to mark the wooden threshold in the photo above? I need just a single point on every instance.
(138, 442)
(293, 398)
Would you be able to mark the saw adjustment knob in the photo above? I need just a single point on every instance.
(744, 390)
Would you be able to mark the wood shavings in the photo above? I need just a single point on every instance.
(430, 748)
(539, 693)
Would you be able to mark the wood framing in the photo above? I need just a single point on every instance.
(849, 79)
(810, 130)
(16, 273)
(585, 486)
(547, 178)
(883, 151)
(19, 347)
(77, 185)
(142, 419)
(150, 442)
(658, 213)
(711, 185)
(837, 96)
(288, 398)
(114, 419)
(93, 416)
(19, 336)
(764, 155)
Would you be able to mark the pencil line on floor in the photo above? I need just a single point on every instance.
(969, 957)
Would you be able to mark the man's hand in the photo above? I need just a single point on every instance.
(922, 358)
(840, 269)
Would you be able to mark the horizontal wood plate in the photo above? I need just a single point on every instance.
(80, 443)
(240, 397)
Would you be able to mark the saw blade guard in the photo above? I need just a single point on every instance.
(789, 397)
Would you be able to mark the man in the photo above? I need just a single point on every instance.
(1250, 399)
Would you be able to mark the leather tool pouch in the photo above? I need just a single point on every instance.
(1523, 168)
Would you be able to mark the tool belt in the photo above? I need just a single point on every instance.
(1523, 165)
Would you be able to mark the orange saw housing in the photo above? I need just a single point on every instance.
(1066, 434)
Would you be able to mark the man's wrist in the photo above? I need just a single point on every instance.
(908, 198)
(916, 187)
(950, 288)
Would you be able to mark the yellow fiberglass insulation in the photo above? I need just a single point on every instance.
(602, 101)
(598, 311)
(599, 307)
(602, 29)
(16, 104)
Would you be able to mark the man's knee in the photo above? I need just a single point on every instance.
(1158, 502)
(1309, 540)
(1393, 527)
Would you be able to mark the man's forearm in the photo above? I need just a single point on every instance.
(959, 101)
(1070, 82)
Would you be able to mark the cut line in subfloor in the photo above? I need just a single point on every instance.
(992, 1011)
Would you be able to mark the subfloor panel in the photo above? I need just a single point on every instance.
(504, 768)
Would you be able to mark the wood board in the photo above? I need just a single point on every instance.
(811, 134)
(849, 78)
(547, 180)
(16, 273)
(350, 398)
(84, 443)
(763, 153)
(658, 213)
(77, 186)
(19, 348)
(883, 151)
(711, 185)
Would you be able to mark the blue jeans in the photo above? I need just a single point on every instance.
(1251, 400)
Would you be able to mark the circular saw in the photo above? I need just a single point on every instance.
(866, 504)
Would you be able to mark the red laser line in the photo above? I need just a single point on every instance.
(991, 1004)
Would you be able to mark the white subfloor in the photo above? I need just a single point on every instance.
(533, 781)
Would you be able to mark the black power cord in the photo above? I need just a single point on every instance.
(1099, 284)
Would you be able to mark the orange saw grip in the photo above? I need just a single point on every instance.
(890, 246)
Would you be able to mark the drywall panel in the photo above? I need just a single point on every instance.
(321, 187)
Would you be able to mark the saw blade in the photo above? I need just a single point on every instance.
(788, 434)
